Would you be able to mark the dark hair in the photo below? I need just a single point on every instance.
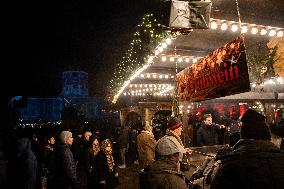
(205, 116)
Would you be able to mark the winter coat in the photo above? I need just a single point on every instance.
(90, 166)
(163, 174)
(253, 164)
(146, 148)
(207, 135)
(64, 170)
(25, 166)
(101, 173)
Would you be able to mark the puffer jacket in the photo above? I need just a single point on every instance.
(64, 170)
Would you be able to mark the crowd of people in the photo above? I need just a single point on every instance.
(252, 158)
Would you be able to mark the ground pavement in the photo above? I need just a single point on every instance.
(128, 177)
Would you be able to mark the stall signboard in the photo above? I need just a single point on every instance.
(222, 73)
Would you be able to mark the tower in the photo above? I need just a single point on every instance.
(75, 84)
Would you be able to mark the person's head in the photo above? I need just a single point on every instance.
(94, 143)
(66, 137)
(51, 140)
(175, 125)
(87, 135)
(167, 149)
(207, 118)
(254, 126)
(147, 127)
(106, 146)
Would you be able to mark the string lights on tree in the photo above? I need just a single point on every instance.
(147, 35)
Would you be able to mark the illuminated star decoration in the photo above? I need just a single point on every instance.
(233, 60)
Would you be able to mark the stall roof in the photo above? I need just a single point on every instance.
(157, 82)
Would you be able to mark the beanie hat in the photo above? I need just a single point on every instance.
(64, 135)
(174, 123)
(165, 147)
(254, 126)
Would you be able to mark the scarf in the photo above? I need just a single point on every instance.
(171, 133)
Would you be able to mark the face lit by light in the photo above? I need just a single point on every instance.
(108, 149)
(178, 131)
(51, 140)
(87, 135)
(208, 121)
(69, 140)
(95, 142)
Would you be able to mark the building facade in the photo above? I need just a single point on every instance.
(74, 94)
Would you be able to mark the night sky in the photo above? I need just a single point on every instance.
(41, 39)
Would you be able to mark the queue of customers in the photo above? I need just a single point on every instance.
(253, 161)
(253, 158)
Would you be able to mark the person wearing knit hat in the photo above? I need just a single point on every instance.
(172, 136)
(254, 126)
(174, 123)
(164, 172)
(174, 131)
(255, 161)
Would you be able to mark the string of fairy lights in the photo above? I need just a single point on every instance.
(149, 36)
(139, 56)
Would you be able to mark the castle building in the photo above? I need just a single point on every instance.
(74, 94)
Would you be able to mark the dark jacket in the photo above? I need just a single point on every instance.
(64, 170)
(27, 165)
(252, 164)
(207, 135)
(101, 172)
